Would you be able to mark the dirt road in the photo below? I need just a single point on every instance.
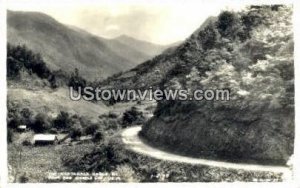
(134, 143)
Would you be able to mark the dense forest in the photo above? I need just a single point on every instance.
(251, 53)
(22, 61)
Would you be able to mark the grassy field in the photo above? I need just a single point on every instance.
(36, 162)
(52, 102)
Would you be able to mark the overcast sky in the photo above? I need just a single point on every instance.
(157, 22)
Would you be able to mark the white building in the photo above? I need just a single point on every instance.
(45, 139)
(22, 128)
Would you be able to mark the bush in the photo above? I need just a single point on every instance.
(40, 124)
(127, 174)
(228, 24)
(132, 116)
(14, 123)
(26, 143)
(13, 68)
(75, 133)
(112, 115)
(226, 20)
(76, 81)
(62, 121)
(91, 129)
(208, 37)
(23, 179)
(111, 124)
(98, 136)
(103, 158)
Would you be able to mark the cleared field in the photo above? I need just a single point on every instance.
(52, 102)
(36, 162)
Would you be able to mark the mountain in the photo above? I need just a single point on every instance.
(153, 71)
(145, 47)
(66, 47)
(248, 52)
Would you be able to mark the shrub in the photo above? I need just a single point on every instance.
(112, 115)
(75, 133)
(98, 136)
(62, 121)
(132, 116)
(23, 178)
(208, 37)
(111, 124)
(13, 123)
(26, 143)
(40, 124)
(228, 24)
(91, 129)
(13, 68)
(103, 158)
(226, 20)
(126, 173)
(76, 81)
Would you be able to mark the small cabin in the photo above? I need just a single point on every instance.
(45, 139)
(85, 138)
(22, 128)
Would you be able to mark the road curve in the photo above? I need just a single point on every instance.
(133, 142)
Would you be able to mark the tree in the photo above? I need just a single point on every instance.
(62, 121)
(91, 129)
(76, 133)
(132, 116)
(40, 123)
(98, 136)
(21, 58)
(13, 68)
(228, 24)
(76, 81)
(208, 36)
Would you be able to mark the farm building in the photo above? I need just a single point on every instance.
(45, 139)
(85, 138)
(22, 128)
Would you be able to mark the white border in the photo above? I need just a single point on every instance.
(3, 140)
(3, 145)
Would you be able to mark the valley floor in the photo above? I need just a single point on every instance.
(36, 162)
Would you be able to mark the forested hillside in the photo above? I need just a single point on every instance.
(251, 53)
(65, 47)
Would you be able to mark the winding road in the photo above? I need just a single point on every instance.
(133, 142)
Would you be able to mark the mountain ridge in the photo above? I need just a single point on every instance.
(65, 47)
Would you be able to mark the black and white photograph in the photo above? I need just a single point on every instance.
(149, 92)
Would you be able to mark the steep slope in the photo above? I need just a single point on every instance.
(127, 51)
(64, 47)
(31, 85)
(154, 71)
(249, 52)
(51, 102)
(145, 47)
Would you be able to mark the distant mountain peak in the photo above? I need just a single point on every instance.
(125, 37)
(67, 47)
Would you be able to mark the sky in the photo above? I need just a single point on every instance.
(160, 22)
